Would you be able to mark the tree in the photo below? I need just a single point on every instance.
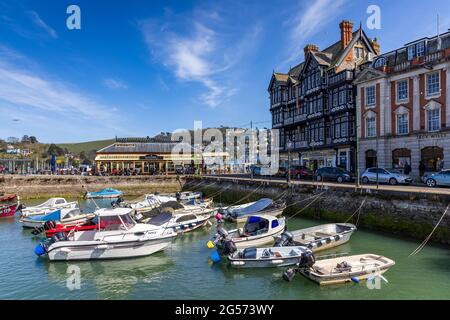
(25, 139)
(54, 150)
(12, 140)
(33, 139)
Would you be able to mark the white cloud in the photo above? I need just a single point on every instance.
(34, 16)
(204, 55)
(308, 22)
(114, 83)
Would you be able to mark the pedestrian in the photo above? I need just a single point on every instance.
(422, 169)
(407, 168)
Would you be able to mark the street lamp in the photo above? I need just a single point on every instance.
(289, 148)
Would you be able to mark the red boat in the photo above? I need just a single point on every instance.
(67, 228)
(8, 205)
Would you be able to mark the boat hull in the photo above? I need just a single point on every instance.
(30, 223)
(266, 263)
(87, 250)
(8, 210)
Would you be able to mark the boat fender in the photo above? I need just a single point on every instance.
(215, 257)
(210, 244)
(289, 274)
(39, 250)
(329, 240)
(355, 279)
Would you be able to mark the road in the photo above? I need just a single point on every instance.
(397, 188)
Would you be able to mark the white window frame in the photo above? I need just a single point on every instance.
(398, 99)
(370, 117)
(435, 94)
(374, 96)
(402, 114)
(438, 110)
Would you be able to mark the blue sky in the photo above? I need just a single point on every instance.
(137, 68)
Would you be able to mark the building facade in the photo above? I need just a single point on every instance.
(313, 105)
(402, 107)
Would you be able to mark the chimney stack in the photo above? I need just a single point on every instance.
(346, 32)
(310, 48)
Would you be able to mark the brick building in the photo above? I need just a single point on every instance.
(313, 104)
(402, 107)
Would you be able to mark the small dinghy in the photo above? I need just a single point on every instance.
(180, 223)
(258, 231)
(318, 238)
(188, 195)
(267, 257)
(48, 206)
(117, 236)
(8, 205)
(65, 216)
(240, 213)
(107, 193)
(346, 269)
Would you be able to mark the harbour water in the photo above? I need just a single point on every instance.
(183, 271)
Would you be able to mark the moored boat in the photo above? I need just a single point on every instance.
(48, 206)
(318, 238)
(180, 222)
(239, 213)
(117, 236)
(347, 269)
(65, 216)
(107, 193)
(258, 231)
(267, 257)
(8, 205)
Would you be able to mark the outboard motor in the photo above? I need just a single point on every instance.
(228, 247)
(289, 274)
(178, 196)
(116, 203)
(46, 226)
(307, 260)
(20, 207)
(42, 247)
(284, 240)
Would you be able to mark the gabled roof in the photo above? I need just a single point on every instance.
(139, 147)
(369, 74)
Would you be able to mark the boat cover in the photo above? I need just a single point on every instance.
(160, 219)
(107, 191)
(258, 206)
(52, 216)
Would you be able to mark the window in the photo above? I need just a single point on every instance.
(380, 62)
(402, 123)
(370, 96)
(433, 119)
(342, 97)
(433, 84)
(370, 126)
(335, 98)
(358, 52)
(402, 90)
(416, 50)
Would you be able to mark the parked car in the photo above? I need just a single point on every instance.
(300, 172)
(437, 179)
(333, 174)
(384, 176)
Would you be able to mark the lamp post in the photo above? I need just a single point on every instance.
(289, 148)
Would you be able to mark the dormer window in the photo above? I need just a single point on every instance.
(416, 50)
(380, 62)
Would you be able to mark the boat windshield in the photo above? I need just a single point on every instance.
(256, 225)
(160, 219)
(110, 223)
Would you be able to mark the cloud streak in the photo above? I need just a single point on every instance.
(114, 83)
(308, 22)
(36, 19)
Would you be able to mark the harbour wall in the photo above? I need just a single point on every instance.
(45, 186)
(410, 214)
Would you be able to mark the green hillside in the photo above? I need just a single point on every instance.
(87, 147)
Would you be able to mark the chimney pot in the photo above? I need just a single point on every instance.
(310, 48)
(346, 27)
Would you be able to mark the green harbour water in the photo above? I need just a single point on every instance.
(182, 271)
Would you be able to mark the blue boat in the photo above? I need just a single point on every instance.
(104, 194)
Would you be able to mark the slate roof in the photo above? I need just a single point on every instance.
(139, 147)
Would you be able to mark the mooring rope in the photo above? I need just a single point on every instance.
(423, 244)
(221, 190)
(357, 211)
(305, 207)
(303, 200)
(247, 196)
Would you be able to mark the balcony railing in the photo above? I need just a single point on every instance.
(402, 66)
(300, 117)
(433, 57)
(301, 144)
(289, 120)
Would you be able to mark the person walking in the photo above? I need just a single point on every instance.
(422, 169)
(407, 168)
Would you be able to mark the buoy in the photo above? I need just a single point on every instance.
(215, 257)
(39, 250)
(355, 279)
(210, 244)
(218, 216)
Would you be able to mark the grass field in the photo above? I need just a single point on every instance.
(86, 146)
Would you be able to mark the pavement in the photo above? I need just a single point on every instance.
(350, 185)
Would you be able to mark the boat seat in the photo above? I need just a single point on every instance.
(320, 270)
(277, 254)
(324, 234)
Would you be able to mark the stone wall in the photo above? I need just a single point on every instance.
(41, 186)
(407, 214)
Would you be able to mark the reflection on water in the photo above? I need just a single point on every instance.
(183, 271)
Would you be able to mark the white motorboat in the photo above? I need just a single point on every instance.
(117, 236)
(267, 257)
(66, 216)
(347, 269)
(48, 206)
(258, 231)
(188, 195)
(318, 238)
(180, 222)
